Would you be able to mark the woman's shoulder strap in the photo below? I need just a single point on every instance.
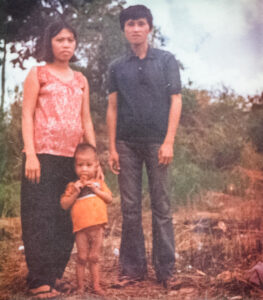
(41, 74)
(80, 78)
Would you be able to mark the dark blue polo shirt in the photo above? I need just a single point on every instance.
(144, 88)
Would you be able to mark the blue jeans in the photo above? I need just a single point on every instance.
(132, 251)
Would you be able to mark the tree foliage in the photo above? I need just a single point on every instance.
(100, 40)
(256, 121)
(23, 23)
(25, 20)
(213, 141)
(217, 130)
(99, 36)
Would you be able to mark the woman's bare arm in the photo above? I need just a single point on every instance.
(31, 90)
(89, 134)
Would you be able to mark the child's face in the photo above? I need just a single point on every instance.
(137, 31)
(86, 164)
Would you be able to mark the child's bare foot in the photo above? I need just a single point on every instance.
(63, 286)
(80, 291)
(99, 291)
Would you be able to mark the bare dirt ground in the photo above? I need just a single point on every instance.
(218, 239)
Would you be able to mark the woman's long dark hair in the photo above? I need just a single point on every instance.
(52, 30)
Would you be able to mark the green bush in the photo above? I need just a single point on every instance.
(211, 143)
(189, 178)
(10, 199)
(3, 145)
(112, 182)
(255, 128)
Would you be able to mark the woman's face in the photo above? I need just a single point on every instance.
(63, 45)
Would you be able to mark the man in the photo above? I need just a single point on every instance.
(143, 114)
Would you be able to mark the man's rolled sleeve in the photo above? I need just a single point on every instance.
(173, 76)
(112, 82)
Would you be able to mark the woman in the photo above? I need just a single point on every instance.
(55, 118)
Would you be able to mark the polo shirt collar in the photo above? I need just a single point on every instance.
(150, 53)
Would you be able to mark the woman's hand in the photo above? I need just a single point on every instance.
(100, 174)
(32, 168)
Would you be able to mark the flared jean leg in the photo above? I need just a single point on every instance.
(163, 253)
(132, 250)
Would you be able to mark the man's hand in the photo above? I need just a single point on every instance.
(114, 162)
(32, 168)
(166, 153)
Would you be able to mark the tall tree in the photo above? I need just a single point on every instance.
(100, 38)
(22, 23)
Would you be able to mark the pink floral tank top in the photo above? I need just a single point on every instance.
(57, 122)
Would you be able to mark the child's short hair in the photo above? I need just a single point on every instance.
(82, 147)
(52, 30)
(135, 12)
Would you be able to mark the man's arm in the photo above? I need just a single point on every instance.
(166, 150)
(112, 125)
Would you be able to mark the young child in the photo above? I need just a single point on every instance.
(88, 199)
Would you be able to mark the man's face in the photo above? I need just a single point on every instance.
(136, 31)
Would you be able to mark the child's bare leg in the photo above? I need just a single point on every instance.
(82, 247)
(95, 271)
(96, 235)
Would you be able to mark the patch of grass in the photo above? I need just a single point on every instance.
(112, 181)
(10, 199)
(190, 178)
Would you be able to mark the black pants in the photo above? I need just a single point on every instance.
(46, 227)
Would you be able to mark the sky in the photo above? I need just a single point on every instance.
(219, 42)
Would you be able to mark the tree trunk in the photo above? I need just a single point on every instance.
(3, 79)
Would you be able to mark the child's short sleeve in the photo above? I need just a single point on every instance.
(70, 189)
(105, 188)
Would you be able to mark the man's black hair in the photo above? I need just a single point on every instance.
(52, 30)
(136, 12)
